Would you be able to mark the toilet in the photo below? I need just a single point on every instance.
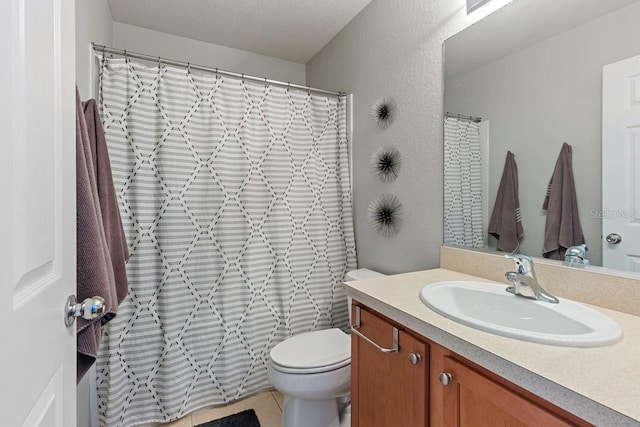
(313, 371)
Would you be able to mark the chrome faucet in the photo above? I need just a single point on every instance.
(524, 280)
(576, 256)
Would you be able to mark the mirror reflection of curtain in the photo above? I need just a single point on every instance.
(463, 223)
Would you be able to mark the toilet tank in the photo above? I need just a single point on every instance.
(362, 274)
(359, 274)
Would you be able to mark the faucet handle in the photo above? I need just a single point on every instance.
(523, 263)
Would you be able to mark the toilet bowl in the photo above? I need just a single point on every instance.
(313, 372)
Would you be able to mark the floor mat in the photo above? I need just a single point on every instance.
(246, 418)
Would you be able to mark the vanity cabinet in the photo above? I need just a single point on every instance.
(464, 395)
(440, 389)
(387, 388)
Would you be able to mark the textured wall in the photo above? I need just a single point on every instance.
(154, 43)
(394, 49)
(93, 24)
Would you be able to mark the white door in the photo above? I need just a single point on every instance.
(621, 165)
(37, 212)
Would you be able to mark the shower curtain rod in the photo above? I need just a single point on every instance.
(182, 64)
(462, 117)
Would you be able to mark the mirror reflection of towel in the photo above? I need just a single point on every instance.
(505, 224)
(562, 228)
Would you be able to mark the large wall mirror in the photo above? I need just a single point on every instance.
(531, 74)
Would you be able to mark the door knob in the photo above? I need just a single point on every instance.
(445, 378)
(90, 308)
(414, 358)
(614, 238)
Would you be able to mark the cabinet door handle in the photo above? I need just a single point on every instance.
(354, 329)
(414, 358)
(445, 378)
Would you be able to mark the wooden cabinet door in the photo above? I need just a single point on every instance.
(473, 400)
(387, 389)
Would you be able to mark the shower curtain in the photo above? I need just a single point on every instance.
(463, 223)
(236, 203)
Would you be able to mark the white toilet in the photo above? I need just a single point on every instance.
(313, 371)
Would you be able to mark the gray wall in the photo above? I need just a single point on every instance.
(540, 97)
(93, 24)
(394, 49)
(155, 43)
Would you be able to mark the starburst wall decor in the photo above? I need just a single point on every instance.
(386, 163)
(385, 214)
(384, 112)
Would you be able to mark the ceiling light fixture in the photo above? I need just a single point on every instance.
(475, 4)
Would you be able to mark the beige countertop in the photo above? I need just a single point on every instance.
(600, 385)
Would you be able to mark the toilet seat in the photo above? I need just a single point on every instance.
(312, 352)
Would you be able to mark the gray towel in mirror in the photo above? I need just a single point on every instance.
(506, 224)
(562, 228)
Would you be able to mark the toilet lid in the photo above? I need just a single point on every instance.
(313, 351)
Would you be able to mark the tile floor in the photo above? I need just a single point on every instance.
(267, 404)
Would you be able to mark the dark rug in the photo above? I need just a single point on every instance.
(246, 418)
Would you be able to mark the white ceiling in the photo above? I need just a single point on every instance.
(518, 25)
(294, 30)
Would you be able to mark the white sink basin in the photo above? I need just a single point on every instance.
(490, 308)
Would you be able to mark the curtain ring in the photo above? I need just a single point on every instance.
(288, 85)
(265, 82)
(188, 67)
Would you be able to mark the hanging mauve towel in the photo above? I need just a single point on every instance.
(505, 224)
(562, 228)
(114, 233)
(101, 248)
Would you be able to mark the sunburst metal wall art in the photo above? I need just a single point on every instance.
(384, 112)
(385, 214)
(386, 163)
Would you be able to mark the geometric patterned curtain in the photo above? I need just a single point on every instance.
(463, 225)
(236, 203)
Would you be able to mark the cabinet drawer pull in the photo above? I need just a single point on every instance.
(354, 329)
(445, 378)
(414, 358)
